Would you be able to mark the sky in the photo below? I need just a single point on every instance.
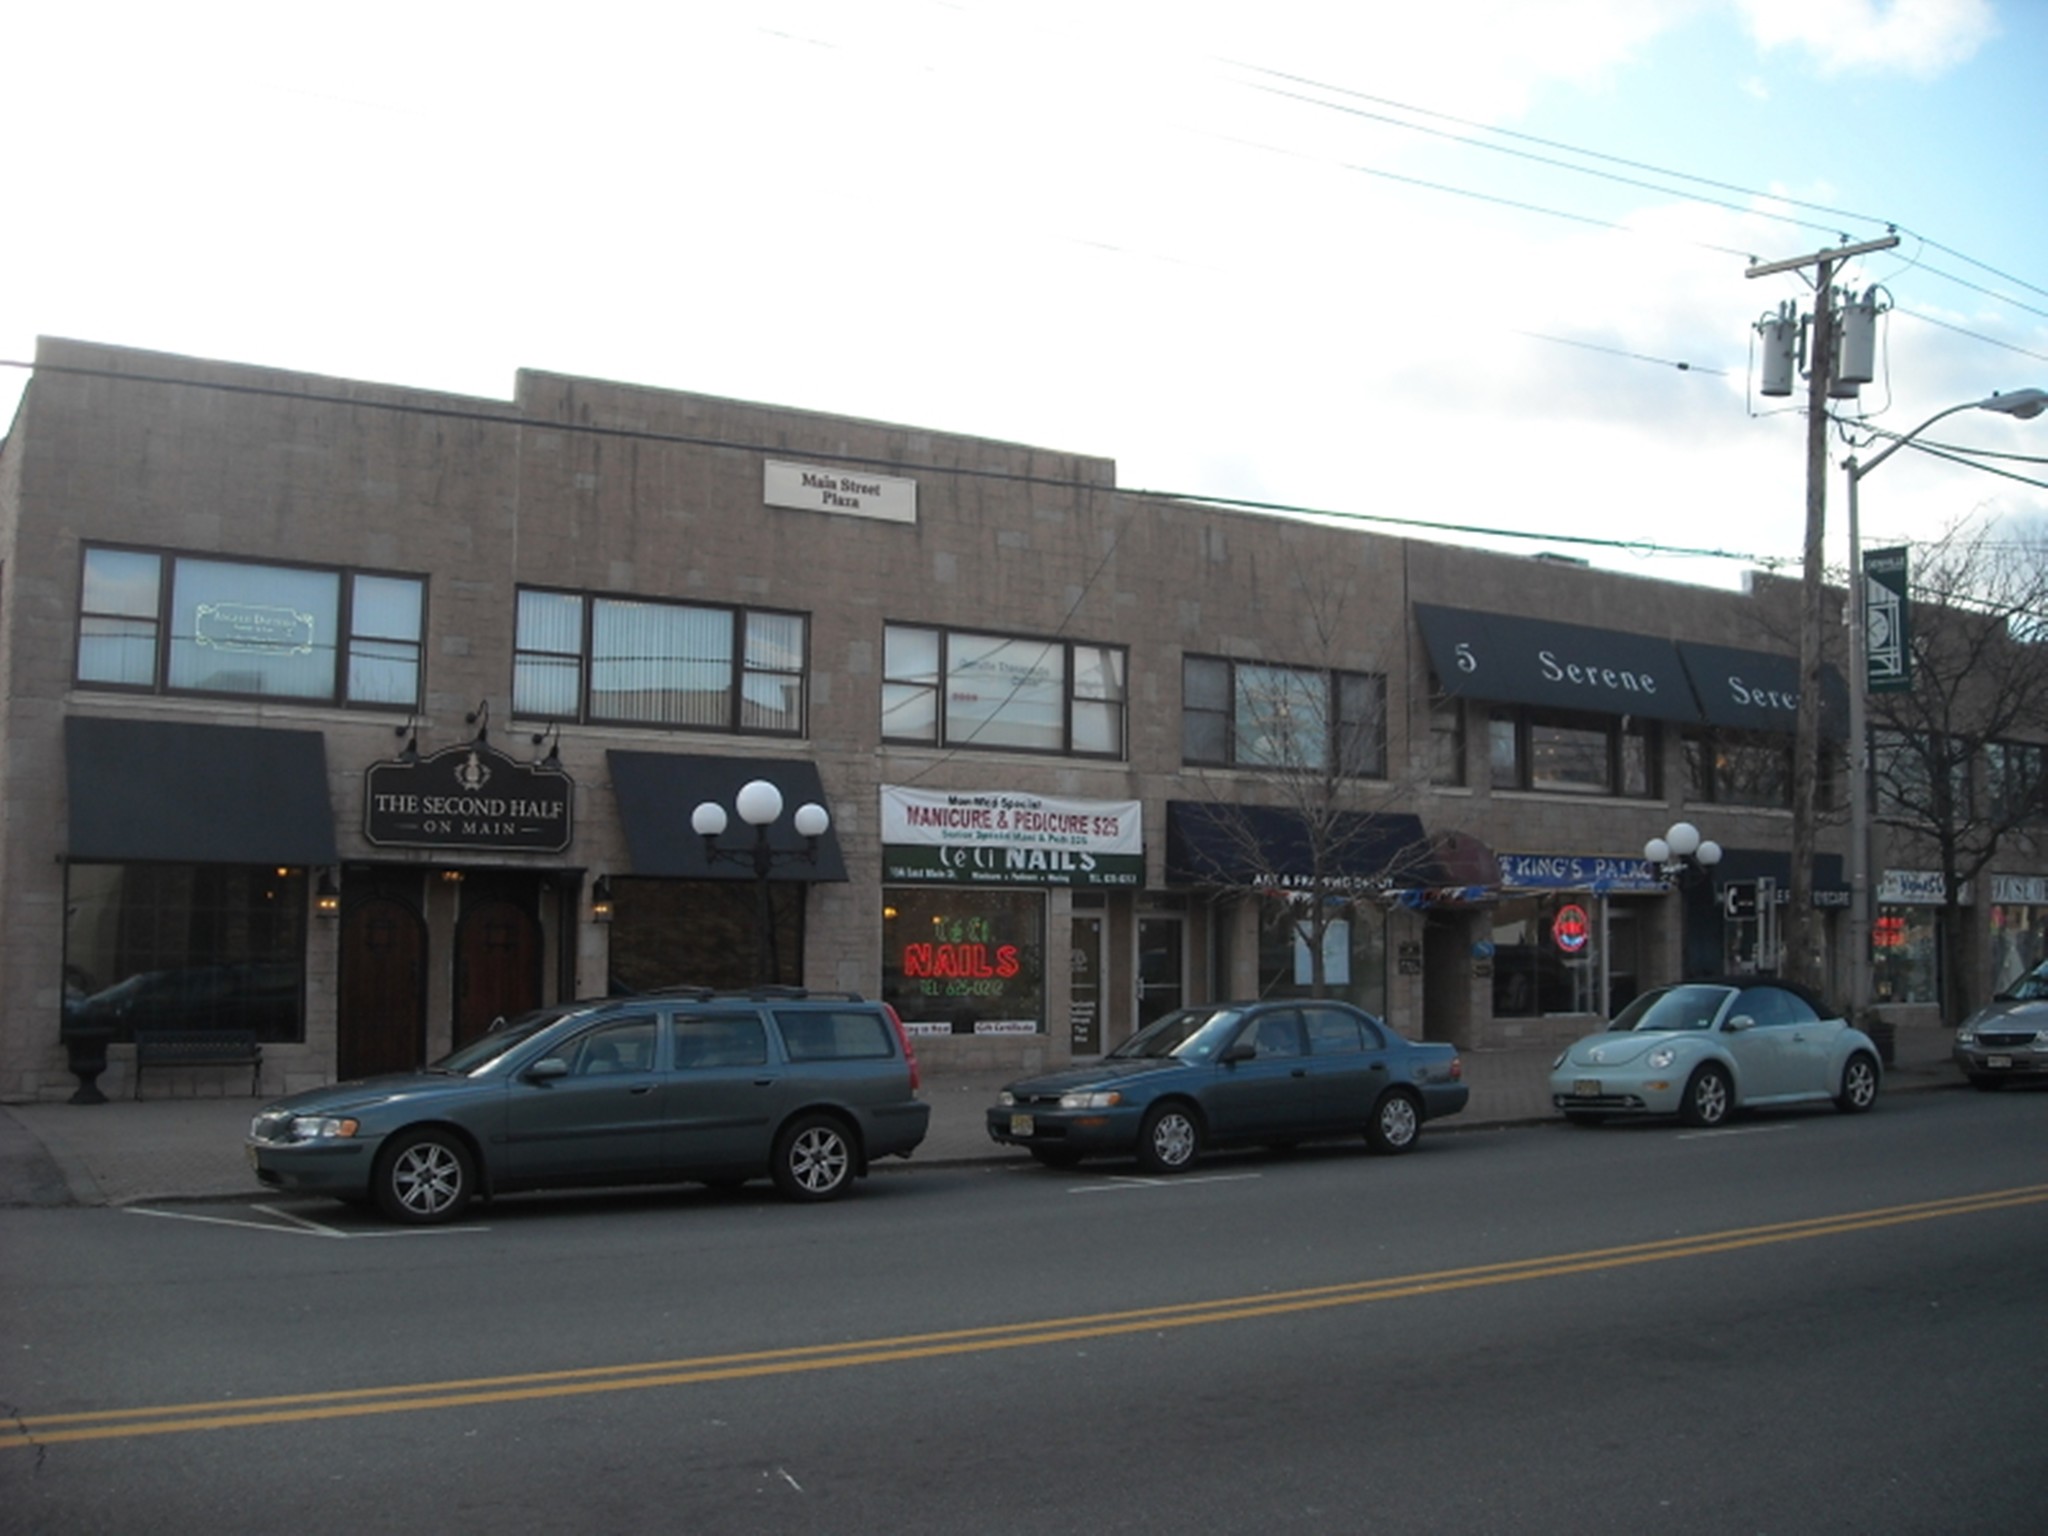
(1438, 265)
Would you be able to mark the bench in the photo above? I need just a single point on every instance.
(198, 1048)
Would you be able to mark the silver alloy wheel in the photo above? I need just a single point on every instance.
(1707, 1097)
(428, 1180)
(1859, 1084)
(1172, 1140)
(817, 1160)
(1395, 1124)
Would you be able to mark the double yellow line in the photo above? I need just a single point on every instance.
(311, 1407)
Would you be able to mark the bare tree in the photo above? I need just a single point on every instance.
(1301, 816)
(1959, 769)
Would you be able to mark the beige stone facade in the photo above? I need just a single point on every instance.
(581, 487)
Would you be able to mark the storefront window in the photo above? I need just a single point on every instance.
(702, 933)
(186, 946)
(964, 962)
(1905, 952)
(2019, 942)
(1546, 956)
(1354, 956)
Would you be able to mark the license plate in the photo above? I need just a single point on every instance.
(1020, 1125)
(1587, 1088)
(1997, 1061)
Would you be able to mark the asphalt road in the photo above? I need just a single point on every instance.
(1803, 1323)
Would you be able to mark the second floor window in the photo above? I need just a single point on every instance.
(1569, 753)
(629, 661)
(957, 688)
(167, 623)
(1237, 714)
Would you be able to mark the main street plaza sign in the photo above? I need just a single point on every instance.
(468, 796)
(998, 837)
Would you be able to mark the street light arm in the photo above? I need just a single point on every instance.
(2022, 403)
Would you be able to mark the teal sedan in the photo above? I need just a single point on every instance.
(1702, 1050)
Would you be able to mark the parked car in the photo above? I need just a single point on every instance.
(1702, 1050)
(1231, 1073)
(683, 1085)
(2007, 1039)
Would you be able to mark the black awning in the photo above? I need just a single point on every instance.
(657, 791)
(1759, 690)
(1509, 660)
(165, 791)
(1210, 843)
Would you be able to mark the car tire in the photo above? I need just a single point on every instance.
(814, 1158)
(1170, 1139)
(1859, 1085)
(424, 1177)
(1709, 1096)
(1054, 1157)
(1396, 1122)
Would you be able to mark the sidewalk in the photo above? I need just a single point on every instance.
(123, 1152)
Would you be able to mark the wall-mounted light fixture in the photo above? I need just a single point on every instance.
(411, 731)
(480, 717)
(601, 899)
(553, 760)
(451, 877)
(326, 896)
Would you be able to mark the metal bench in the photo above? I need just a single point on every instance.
(198, 1048)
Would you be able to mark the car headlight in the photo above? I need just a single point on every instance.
(1967, 1035)
(323, 1128)
(1098, 1098)
(1661, 1058)
(1006, 1099)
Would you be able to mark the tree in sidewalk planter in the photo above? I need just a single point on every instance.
(1959, 761)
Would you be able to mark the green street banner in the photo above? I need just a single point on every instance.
(1888, 649)
(998, 837)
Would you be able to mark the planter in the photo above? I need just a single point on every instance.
(85, 1050)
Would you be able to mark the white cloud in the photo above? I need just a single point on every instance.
(1923, 38)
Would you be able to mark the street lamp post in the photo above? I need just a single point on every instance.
(759, 804)
(1680, 852)
(2024, 404)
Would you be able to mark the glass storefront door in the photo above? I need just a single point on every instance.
(1162, 965)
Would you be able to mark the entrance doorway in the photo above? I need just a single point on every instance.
(381, 998)
(1162, 965)
(497, 953)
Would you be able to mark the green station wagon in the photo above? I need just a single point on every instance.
(686, 1085)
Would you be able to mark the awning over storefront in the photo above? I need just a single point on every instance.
(1759, 690)
(657, 791)
(1508, 660)
(1740, 866)
(166, 791)
(1210, 843)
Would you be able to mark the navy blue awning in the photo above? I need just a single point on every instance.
(657, 791)
(1214, 843)
(1509, 660)
(1759, 690)
(172, 792)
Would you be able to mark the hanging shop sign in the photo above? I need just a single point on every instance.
(468, 796)
(1577, 872)
(848, 492)
(999, 837)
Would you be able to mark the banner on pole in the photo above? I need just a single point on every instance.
(1888, 652)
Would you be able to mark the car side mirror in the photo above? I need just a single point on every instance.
(1244, 1050)
(1740, 1022)
(547, 1069)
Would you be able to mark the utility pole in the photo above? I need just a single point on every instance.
(1801, 957)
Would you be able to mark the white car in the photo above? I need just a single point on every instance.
(1701, 1050)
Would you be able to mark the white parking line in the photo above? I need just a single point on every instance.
(1129, 1181)
(297, 1226)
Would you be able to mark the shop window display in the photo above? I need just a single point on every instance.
(964, 962)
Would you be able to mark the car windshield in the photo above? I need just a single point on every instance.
(1687, 1007)
(2030, 988)
(503, 1036)
(1187, 1034)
